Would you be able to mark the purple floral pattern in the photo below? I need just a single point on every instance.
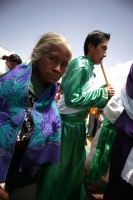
(4, 116)
(44, 144)
(51, 123)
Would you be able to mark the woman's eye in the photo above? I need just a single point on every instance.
(64, 65)
(52, 58)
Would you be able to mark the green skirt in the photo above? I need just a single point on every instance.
(65, 180)
(101, 160)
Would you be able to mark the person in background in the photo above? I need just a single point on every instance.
(92, 125)
(100, 119)
(94, 142)
(120, 185)
(65, 180)
(58, 93)
(30, 124)
(9, 62)
(92, 120)
(114, 149)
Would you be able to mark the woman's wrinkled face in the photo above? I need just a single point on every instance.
(52, 64)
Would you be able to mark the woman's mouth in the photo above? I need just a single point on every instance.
(55, 76)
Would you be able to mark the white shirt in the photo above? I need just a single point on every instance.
(3, 67)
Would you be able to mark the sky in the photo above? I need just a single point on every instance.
(23, 22)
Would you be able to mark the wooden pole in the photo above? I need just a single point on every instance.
(104, 73)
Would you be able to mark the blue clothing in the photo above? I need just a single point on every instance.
(44, 143)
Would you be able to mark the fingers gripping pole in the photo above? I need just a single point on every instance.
(104, 73)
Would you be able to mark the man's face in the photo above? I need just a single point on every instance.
(52, 65)
(97, 54)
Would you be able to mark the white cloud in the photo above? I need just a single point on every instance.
(116, 75)
(4, 51)
(120, 71)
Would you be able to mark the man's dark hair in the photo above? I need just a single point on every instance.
(94, 38)
(13, 58)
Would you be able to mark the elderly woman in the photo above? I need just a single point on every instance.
(30, 124)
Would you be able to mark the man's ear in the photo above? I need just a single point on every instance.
(90, 47)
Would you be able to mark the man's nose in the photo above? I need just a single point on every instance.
(104, 55)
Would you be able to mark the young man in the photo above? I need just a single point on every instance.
(64, 181)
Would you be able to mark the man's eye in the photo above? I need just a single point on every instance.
(104, 48)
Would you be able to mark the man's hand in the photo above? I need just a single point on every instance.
(111, 91)
(3, 194)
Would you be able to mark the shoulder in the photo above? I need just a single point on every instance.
(80, 63)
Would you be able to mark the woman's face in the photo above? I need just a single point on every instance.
(11, 64)
(52, 64)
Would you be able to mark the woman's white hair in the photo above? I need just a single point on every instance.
(46, 42)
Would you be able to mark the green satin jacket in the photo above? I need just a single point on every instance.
(79, 71)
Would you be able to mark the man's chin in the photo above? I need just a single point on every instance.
(97, 63)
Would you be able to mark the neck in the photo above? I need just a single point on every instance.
(35, 72)
(88, 55)
(43, 83)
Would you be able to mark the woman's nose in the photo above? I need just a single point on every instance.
(57, 68)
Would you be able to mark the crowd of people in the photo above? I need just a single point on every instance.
(43, 109)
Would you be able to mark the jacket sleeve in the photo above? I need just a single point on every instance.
(73, 83)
